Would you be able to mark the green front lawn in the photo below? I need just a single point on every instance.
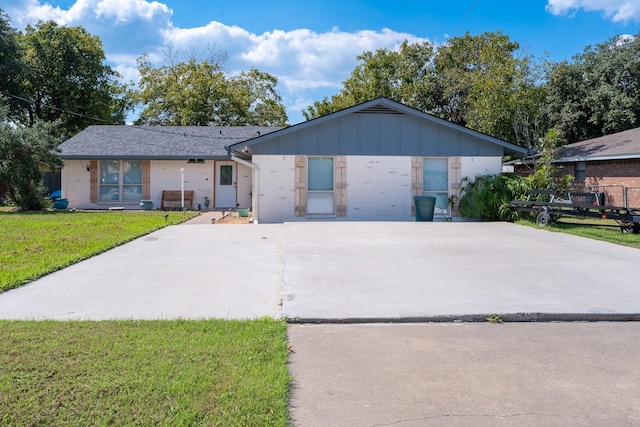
(591, 228)
(38, 243)
(146, 373)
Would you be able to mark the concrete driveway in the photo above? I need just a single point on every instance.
(342, 271)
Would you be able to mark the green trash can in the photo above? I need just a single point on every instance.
(425, 205)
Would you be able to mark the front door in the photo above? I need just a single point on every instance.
(225, 185)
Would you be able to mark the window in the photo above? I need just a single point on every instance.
(226, 175)
(320, 186)
(120, 180)
(435, 182)
(581, 170)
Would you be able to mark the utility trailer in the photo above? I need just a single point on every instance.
(578, 204)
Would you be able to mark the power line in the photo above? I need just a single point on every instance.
(464, 18)
(62, 110)
(147, 128)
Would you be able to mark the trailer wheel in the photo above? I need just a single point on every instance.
(543, 219)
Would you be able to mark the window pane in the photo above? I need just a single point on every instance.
(226, 175)
(320, 202)
(109, 193)
(320, 173)
(132, 192)
(435, 175)
(132, 172)
(109, 171)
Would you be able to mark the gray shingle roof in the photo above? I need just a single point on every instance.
(621, 145)
(157, 142)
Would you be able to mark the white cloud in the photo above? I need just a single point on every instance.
(116, 11)
(302, 59)
(616, 10)
(309, 65)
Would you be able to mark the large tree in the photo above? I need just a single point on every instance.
(599, 92)
(187, 89)
(482, 81)
(405, 75)
(22, 150)
(66, 79)
(10, 60)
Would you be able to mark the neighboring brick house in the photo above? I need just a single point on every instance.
(609, 164)
(365, 162)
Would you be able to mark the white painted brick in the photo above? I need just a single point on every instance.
(474, 166)
(277, 188)
(378, 188)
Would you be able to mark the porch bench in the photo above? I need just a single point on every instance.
(172, 199)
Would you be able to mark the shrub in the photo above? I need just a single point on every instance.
(487, 197)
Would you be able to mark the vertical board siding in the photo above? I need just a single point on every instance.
(389, 135)
(379, 135)
(349, 141)
(408, 136)
(368, 134)
(329, 136)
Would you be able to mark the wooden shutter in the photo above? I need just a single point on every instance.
(340, 191)
(416, 180)
(301, 186)
(93, 182)
(146, 179)
(455, 181)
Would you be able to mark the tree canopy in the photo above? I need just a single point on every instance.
(198, 92)
(598, 93)
(476, 81)
(10, 60)
(487, 82)
(65, 78)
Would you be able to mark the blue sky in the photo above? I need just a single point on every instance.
(312, 46)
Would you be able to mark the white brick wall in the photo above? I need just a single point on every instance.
(473, 166)
(276, 195)
(378, 188)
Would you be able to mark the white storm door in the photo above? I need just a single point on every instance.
(225, 185)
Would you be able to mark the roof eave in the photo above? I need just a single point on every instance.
(141, 157)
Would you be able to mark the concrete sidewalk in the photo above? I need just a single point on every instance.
(465, 374)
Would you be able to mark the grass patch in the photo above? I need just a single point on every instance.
(591, 228)
(160, 373)
(37, 243)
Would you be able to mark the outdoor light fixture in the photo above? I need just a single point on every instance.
(89, 168)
